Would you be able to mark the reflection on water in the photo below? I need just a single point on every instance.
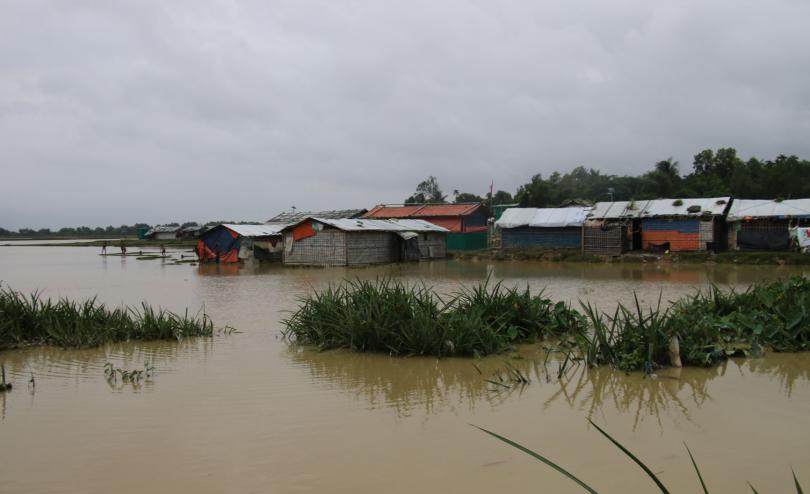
(248, 413)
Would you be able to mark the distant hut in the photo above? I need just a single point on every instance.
(166, 232)
(467, 223)
(229, 243)
(190, 232)
(762, 224)
(352, 242)
(557, 228)
(612, 228)
(685, 224)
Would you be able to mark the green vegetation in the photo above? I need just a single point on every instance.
(114, 375)
(702, 329)
(714, 173)
(31, 320)
(647, 471)
(709, 326)
(388, 316)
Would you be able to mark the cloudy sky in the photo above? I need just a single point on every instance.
(114, 112)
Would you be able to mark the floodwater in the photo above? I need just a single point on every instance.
(245, 412)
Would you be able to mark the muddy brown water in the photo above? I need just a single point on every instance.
(245, 412)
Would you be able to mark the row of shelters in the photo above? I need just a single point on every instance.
(403, 232)
(321, 241)
(677, 225)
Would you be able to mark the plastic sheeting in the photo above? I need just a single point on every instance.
(543, 217)
(219, 244)
(765, 208)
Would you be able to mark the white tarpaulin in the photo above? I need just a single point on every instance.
(515, 217)
(543, 217)
(766, 208)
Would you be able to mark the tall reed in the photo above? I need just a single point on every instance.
(389, 316)
(708, 326)
(33, 320)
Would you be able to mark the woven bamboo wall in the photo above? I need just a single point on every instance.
(611, 241)
(433, 245)
(706, 233)
(327, 248)
(371, 248)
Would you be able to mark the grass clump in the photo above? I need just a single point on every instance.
(32, 320)
(707, 327)
(699, 330)
(389, 316)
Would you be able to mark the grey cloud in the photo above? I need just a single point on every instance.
(115, 111)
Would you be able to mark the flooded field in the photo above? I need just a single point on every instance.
(245, 412)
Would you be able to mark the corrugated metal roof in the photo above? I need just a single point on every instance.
(421, 210)
(766, 208)
(714, 206)
(543, 217)
(295, 216)
(265, 230)
(163, 229)
(363, 224)
(617, 210)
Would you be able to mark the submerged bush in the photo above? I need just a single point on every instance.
(709, 326)
(389, 316)
(31, 320)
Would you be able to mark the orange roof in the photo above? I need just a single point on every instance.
(421, 210)
(382, 211)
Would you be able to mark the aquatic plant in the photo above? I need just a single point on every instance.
(32, 320)
(389, 316)
(655, 479)
(134, 377)
(699, 330)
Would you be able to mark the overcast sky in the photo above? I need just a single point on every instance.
(114, 112)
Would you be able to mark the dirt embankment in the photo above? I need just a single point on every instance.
(575, 255)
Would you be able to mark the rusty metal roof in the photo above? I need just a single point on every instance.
(295, 216)
(375, 225)
(421, 210)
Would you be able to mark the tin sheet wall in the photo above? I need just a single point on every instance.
(681, 234)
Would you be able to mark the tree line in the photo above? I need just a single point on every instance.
(714, 173)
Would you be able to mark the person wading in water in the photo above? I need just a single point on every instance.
(104, 248)
(123, 248)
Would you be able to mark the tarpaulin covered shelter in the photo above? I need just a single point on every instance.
(467, 222)
(613, 228)
(763, 224)
(542, 227)
(351, 242)
(227, 243)
(685, 224)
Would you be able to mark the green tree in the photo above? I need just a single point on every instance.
(502, 197)
(428, 191)
(462, 197)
